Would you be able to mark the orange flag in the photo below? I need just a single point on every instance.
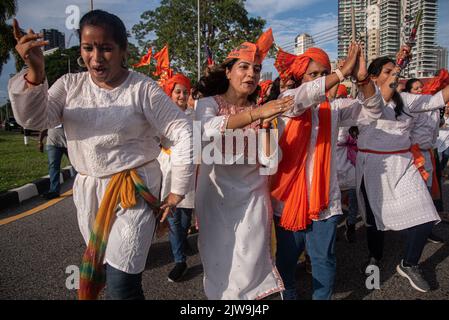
(145, 60)
(163, 62)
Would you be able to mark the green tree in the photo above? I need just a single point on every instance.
(224, 24)
(8, 9)
(56, 64)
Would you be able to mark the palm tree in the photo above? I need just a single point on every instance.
(8, 9)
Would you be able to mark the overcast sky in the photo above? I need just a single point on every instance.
(288, 18)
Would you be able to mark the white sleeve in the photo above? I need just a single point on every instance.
(37, 107)
(207, 112)
(172, 123)
(360, 108)
(423, 102)
(306, 95)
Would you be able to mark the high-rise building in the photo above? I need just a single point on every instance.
(266, 76)
(372, 46)
(442, 57)
(424, 52)
(55, 37)
(390, 21)
(345, 26)
(384, 26)
(302, 43)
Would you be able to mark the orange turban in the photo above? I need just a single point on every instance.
(170, 83)
(289, 65)
(254, 52)
(342, 91)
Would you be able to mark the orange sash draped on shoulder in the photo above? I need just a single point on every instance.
(290, 182)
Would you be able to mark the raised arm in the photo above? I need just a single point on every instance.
(34, 106)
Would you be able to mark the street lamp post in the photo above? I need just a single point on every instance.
(68, 60)
(199, 43)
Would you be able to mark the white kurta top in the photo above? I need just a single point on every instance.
(397, 193)
(425, 134)
(443, 136)
(345, 169)
(234, 214)
(164, 160)
(109, 131)
(310, 95)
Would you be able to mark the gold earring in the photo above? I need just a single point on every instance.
(80, 62)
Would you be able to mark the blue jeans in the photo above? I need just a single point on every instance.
(123, 286)
(179, 222)
(353, 208)
(54, 155)
(319, 241)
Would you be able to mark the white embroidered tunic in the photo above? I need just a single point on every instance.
(109, 131)
(396, 191)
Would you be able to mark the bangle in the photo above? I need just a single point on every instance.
(364, 81)
(251, 115)
(340, 75)
(30, 82)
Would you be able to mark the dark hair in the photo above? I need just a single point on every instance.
(107, 21)
(409, 84)
(374, 69)
(215, 82)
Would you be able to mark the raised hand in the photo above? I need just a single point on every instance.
(28, 46)
(360, 71)
(351, 60)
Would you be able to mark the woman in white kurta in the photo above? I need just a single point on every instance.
(112, 118)
(232, 200)
(391, 192)
(177, 87)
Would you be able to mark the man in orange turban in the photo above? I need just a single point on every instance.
(304, 191)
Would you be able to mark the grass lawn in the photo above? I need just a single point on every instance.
(21, 164)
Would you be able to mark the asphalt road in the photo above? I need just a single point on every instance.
(36, 251)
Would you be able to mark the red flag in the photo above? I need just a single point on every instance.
(163, 62)
(210, 60)
(145, 60)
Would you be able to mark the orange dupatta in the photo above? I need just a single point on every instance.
(289, 184)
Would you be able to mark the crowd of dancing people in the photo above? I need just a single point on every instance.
(324, 154)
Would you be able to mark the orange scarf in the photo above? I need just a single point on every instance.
(290, 182)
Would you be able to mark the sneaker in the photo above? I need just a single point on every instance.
(177, 272)
(371, 262)
(350, 233)
(434, 238)
(414, 276)
(50, 195)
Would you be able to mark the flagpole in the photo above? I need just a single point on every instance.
(199, 43)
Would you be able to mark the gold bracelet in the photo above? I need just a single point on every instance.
(250, 115)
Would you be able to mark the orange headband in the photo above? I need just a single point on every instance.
(289, 65)
(179, 78)
(254, 52)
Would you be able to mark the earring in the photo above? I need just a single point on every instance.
(80, 62)
(124, 63)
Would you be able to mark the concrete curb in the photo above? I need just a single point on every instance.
(17, 195)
